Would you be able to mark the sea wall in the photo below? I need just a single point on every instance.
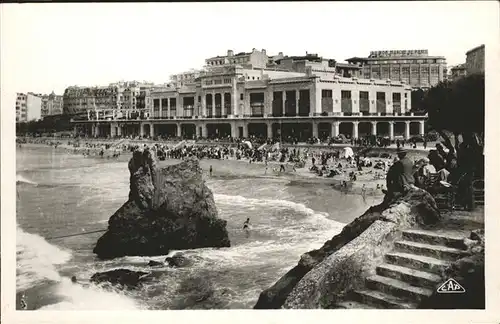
(342, 263)
(345, 269)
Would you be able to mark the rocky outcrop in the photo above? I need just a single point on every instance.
(469, 273)
(169, 208)
(416, 208)
(178, 260)
(124, 277)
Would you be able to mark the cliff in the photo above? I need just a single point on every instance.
(168, 208)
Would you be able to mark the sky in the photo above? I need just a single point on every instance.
(48, 47)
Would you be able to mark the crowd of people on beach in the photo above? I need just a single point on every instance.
(329, 162)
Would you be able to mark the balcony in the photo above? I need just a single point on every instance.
(257, 109)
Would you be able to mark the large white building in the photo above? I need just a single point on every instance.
(28, 107)
(251, 94)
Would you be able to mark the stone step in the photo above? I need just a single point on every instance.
(418, 262)
(398, 288)
(453, 240)
(379, 299)
(413, 277)
(350, 304)
(436, 251)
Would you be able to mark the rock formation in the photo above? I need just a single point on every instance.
(124, 277)
(178, 260)
(416, 207)
(169, 208)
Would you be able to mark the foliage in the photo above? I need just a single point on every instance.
(457, 106)
(49, 124)
(456, 110)
(417, 100)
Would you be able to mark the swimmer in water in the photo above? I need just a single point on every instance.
(246, 227)
(246, 224)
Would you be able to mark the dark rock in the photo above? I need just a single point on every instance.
(153, 263)
(124, 277)
(200, 293)
(422, 211)
(169, 208)
(178, 260)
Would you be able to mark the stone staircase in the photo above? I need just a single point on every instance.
(411, 270)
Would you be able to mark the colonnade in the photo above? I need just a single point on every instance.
(240, 128)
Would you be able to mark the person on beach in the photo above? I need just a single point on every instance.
(363, 193)
(282, 168)
(211, 170)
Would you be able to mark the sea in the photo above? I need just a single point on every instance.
(61, 194)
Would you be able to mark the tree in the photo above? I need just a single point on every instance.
(417, 98)
(456, 110)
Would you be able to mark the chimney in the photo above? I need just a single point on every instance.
(280, 53)
(253, 50)
(263, 51)
(230, 53)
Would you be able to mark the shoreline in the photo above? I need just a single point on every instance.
(258, 169)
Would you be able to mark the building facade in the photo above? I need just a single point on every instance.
(457, 72)
(52, 104)
(475, 60)
(117, 100)
(305, 97)
(28, 107)
(414, 67)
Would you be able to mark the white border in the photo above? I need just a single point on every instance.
(490, 315)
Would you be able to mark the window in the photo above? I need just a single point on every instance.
(326, 93)
(241, 96)
(253, 78)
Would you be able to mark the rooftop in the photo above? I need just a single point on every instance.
(475, 49)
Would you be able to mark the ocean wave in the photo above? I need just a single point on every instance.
(21, 179)
(78, 297)
(249, 202)
(36, 260)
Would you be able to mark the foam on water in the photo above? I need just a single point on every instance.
(247, 202)
(37, 262)
(21, 179)
(78, 297)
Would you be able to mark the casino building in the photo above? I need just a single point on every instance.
(252, 94)
(415, 67)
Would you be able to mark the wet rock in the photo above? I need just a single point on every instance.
(153, 263)
(178, 260)
(169, 208)
(414, 209)
(124, 277)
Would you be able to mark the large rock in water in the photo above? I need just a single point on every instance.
(416, 208)
(169, 208)
(124, 277)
